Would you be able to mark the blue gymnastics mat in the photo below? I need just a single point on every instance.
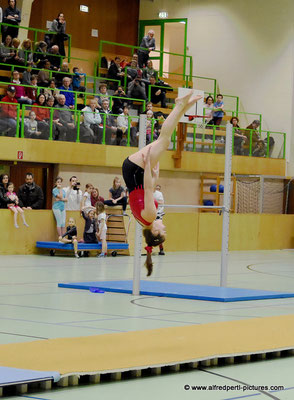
(180, 290)
(81, 246)
(13, 376)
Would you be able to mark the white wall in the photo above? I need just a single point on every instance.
(248, 46)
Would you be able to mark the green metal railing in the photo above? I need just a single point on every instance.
(106, 42)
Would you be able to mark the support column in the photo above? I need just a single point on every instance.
(26, 7)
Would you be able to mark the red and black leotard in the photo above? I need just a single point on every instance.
(134, 179)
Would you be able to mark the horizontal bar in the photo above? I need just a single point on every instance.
(191, 206)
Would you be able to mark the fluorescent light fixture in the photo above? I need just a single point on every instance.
(84, 8)
(163, 14)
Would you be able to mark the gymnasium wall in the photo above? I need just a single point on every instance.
(248, 47)
(115, 22)
(185, 231)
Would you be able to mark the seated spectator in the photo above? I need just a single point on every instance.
(42, 116)
(31, 91)
(11, 16)
(119, 103)
(117, 195)
(8, 121)
(63, 72)
(218, 112)
(6, 51)
(104, 94)
(40, 55)
(51, 90)
(132, 71)
(74, 195)
(55, 133)
(136, 90)
(32, 131)
(157, 94)
(66, 90)
(59, 26)
(44, 74)
(30, 195)
(15, 59)
(150, 129)
(67, 130)
(149, 71)
(208, 107)
(77, 79)
(20, 94)
(96, 197)
(123, 121)
(26, 53)
(113, 135)
(258, 145)
(239, 139)
(27, 76)
(115, 71)
(4, 200)
(54, 57)
(92, 120)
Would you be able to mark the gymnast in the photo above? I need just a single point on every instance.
(140, 172)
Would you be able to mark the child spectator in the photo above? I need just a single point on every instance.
(13, 206)
(102, 227)
(117, 195)
(123, 121)
(76, 81)
(86, 201)
(208, 107)
(104, 95)
(31, 92)
(90, 230)
(149, 128)
(219, 113)
(96, 197)
(32, 127)
(70, 236)
(58, 207)
(239, 139)
(27, 76)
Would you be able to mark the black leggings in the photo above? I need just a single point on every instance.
(133, 175)
(122, 202)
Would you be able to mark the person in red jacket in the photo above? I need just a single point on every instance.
(8, 120)
(20, 94)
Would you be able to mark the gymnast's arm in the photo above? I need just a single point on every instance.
(149, 212)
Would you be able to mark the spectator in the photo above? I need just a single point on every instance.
(27, 76)
(13, 205)
(218, 113)
(123, 121)
(74, 195)
(70, 236)
(239, 139)
(118, 103)
(56, 123)
(258, 146)
(90, 230)
(113, 135)
(44, 75)
(103, 93)
(66, 90)
(96, 197)
(54, 57)
(64, 72)
(11, 16)
(25, 53)
(148, 44)
(149, 71)
(117, 195)
(92, 120)
(58, 207)
(51, 90)
(208, 107)
(42, 116)
(150, 128)
(32, 131)
(86, 200)
(157, 94)
(8, 121)
(68, 130)
(101, 234)
(5, 49)
(59, 26)
(30, 194)
(40, 56)
(15, 59)
(77, 78)
(115, 71)
(158, 196)
(20, 93)
(132, 71)
(31, 91)
(4, 180)
(136, 89)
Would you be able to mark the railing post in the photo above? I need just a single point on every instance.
(233, 139)
(51, 125)
(284, 146)
(22, 120)
(78, 127)
(194, 137)
(213, 139)
(17, 120)
(129, 131)
(250, 143)
(104, 128)
(267, 143)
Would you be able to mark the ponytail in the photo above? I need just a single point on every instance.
(151, 241)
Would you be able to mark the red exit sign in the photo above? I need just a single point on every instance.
(20, 155)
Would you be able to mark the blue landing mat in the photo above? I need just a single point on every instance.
(13, 376)
(180, 290)
(81, 246)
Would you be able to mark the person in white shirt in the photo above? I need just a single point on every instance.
(101, 217)
(158, 196)
(74, 195)
(123, 123)
(86, 204)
